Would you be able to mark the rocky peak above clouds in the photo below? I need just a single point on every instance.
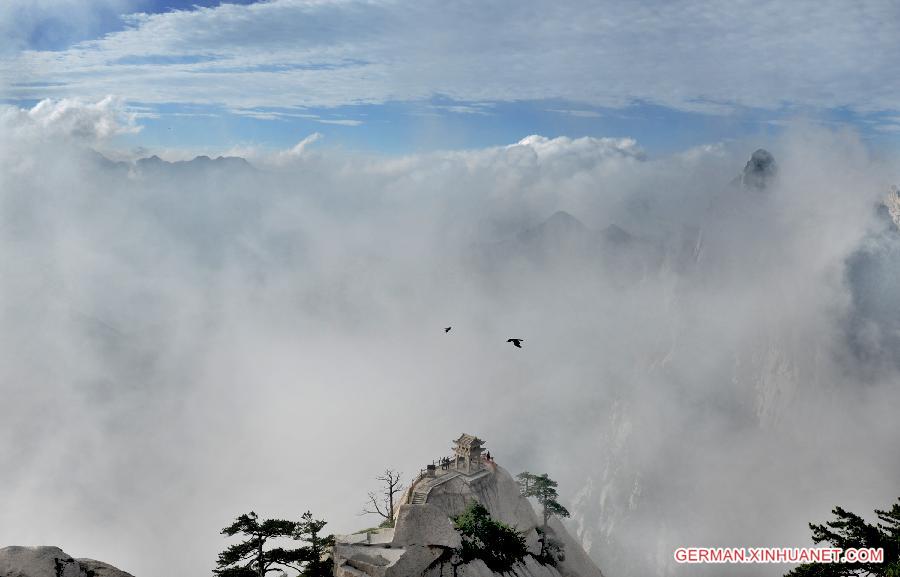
(759, 170)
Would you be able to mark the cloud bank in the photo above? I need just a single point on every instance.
(71, 119)
(185, 342)
(690, 56)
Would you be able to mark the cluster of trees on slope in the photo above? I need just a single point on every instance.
(500, 546)
(250, 558)
(849, 530)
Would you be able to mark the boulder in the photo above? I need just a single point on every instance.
(415, 561)
(369, 560)
(38, 562)
(49, 561)
(424, 525)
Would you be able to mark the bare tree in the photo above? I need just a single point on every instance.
(382, 502)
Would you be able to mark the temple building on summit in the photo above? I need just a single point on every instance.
(467, 453)
(422, 537)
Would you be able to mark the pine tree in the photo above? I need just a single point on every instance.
(313, 554)
(543, 488)
(849, 530)
(500, 546)
(250, 558)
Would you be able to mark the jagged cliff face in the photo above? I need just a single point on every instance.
(872, 275)
(51, 562)
(891, 205)
(758, 326)
(423, 532)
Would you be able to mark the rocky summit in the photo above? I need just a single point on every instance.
(423, 531)
(759, 170)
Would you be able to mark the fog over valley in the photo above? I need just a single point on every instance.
(710, 351)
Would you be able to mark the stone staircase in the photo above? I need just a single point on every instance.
(480, 474)
(423, 488)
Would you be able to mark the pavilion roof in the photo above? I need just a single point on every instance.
(466, 440)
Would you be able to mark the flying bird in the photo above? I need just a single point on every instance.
(447, 329)
(516, 342)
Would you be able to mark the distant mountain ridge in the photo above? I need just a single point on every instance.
(203, 161)
(562, 241)
(155, 163)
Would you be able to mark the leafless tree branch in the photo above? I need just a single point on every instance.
(383, 502)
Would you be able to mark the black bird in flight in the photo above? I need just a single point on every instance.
(516, 342)
(447, 329)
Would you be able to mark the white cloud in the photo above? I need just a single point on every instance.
(696, 56)
(74, 118)
(340, 121)
(24, 21)
(475, 108)
(588, 147)
(295, 152)
(281, 114)
(273, 312)
(258, 115)
(577, 113)
(704, 152)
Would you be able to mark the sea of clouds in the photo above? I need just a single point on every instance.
(181, 344)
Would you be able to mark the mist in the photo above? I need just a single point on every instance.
(183, 344)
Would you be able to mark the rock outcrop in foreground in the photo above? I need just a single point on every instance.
(424, 531)
(51, 562)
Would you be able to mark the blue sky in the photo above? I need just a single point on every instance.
(397, 77)
(54, 29)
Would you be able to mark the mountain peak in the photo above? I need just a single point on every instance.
(759, 170)
(616, 234)
(560, 227)
(423, 534)
(564, 218)
(891, 205)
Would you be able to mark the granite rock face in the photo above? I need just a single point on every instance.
(51, 562)
(891, 206)
(530, 568)
(424, 525)
(424, 534)
(95, 568)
